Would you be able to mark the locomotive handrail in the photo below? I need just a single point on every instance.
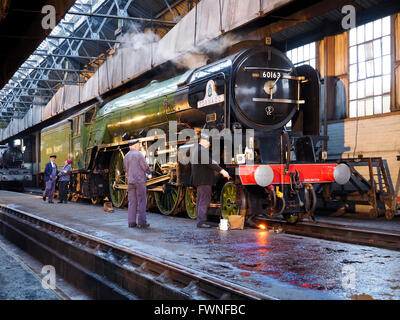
(278, 100)
(268, 68)
(283, 76)
(125, 143)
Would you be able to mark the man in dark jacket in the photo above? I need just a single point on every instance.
(64, 175)
(50, 177)
(203, 178)
(136, 168)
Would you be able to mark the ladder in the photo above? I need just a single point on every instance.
(382, 189)
(379, 192)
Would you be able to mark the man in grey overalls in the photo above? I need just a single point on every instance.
(50, 177)
(136, 168)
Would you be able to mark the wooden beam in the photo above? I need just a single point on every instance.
(301, 16)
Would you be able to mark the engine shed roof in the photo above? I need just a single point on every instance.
(86, 33)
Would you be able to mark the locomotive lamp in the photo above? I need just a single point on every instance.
(240, 158)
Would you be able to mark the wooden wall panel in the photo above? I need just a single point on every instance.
(341, 54)
(321, 57)
(396, 19)
(396, 62)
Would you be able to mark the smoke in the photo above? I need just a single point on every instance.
(191, 60)
(220, 45)
(201, 55)
(135, 39)
(100, 99)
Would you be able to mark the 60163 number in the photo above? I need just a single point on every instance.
(271, 74)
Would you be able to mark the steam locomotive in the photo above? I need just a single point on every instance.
(12, 172)
(256, 88)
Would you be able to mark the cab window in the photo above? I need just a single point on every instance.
(76, 126)
(89, 116)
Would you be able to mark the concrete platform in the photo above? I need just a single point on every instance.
(281, 265)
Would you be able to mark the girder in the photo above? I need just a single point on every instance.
(79, 44)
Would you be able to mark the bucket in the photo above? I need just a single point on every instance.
(236, 222)
(223, 224)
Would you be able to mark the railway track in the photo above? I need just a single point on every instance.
(105, 270)
(335, 232)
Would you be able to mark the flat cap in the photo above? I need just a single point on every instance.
(53, 156)
(133, 141)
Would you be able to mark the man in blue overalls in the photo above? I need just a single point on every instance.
(50, 177)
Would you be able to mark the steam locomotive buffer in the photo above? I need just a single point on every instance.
(299, 102)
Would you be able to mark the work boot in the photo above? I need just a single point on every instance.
(51, 201)
(143, 226)
(60, 201)
(132, 225)
(44, 198)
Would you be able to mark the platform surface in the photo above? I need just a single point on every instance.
(17, 281)
(277, 264)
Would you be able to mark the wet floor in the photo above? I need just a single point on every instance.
(280, 265)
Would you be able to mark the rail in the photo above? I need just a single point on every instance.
(335, 232)
(105, 270)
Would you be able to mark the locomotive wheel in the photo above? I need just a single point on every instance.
(116, 174)
(190, 202)
(228, 200)
(168, 201)
(292, 218)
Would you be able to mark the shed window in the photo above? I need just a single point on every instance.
(303, 55)
(370, 68)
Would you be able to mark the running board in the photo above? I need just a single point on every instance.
(149, 182)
